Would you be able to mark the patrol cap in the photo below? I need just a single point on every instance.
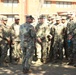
(4, 18)
(58, 18)
(68, 13)
(64, 18)
(73, 15)
(52, 17)
(49, 16)
(29, 16)
(16, 18)
(41, 17)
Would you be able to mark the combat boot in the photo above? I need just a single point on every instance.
(25, 71)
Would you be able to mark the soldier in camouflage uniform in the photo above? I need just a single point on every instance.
(72, 37)
(74, 45)
(70, 25)
(43, 34)
(5, 40)
(50, 24)
(64, 23)
(58, 30)
(27, 36)
(16, 40)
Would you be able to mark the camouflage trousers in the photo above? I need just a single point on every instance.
(51, 49)
(45, 50)
(17, 50)
(58, 49)
(4, 49)
(27, 56)
(48, 49)
(73, 53)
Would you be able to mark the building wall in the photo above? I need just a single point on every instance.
(12, 9)
(60, 6)
(36, 7)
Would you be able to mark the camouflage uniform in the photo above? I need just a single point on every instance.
(5, 30)
(73, 52)
(51, 24)
(27, 36)
(16, 40)
(42, 33)
(58, 30)
(64, 23)
(70, 25)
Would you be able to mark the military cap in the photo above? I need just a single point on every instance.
(4, 18)
(49, 16)
(73, 15)
(52, 17)
(64, 18)
(41, 17)
(58, 18)
(16, 17)
(68, 13)
(30, 16)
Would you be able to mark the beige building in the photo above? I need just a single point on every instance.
(10, 8)
(37, 7)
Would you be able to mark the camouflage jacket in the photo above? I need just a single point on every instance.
(27, 34)
(57, 31)
(15, 31)
(5, 33)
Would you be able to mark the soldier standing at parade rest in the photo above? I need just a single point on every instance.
(27, 36)
(4, 43)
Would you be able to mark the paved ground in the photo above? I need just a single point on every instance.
(40, 69)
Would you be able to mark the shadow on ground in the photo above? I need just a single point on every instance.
(40, 69)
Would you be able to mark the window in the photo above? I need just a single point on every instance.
(47, 4)
(63, 4)
(10, 18)
(15, 3)
(10, 2)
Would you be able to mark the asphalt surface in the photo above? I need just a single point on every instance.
(40, 69)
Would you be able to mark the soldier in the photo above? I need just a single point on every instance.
(42, 35)
(58, 40)
(73, 52)
(27, 36)
(5, 40)
(70, 25)
(16, 40)
(52, 40)
(64, 23)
